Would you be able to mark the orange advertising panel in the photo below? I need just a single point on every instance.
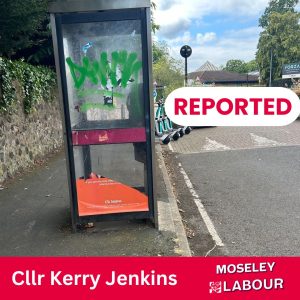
(98, 196)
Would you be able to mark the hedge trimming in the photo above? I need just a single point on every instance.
(37, 84)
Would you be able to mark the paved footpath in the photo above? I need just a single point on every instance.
(237, 138)
(35, 221)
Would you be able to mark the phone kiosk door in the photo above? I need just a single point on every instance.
(103, 61)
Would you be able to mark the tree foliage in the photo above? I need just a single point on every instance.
(279, 6)
(239, 66)
(282, 35)
(21, 22)
(167, 71)
(36, 83)
(154, 26)
(251, 66)
(160, 50)
(25, 30)
(235, 65)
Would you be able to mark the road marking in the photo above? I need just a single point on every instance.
(207, 220)
(263, 141)
(212, 145)
(170, 147)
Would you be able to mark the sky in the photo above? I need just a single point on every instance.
(217, 30)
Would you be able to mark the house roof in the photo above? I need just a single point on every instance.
(221, 76)
(207, 66)
(255, 73)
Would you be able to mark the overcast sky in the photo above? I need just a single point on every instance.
(217, 30)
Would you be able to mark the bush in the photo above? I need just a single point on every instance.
(36, 83)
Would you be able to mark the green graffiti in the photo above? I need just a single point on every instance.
(99, 72)
(87, 106)
(90, 92)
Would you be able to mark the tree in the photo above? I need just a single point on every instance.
(251, 66)
(25, 30)
(279, 6)
(20, 23)
(282, 36)
(236, 65)
(239, 66)
(160, 50)
(155, 26)
(167, 71)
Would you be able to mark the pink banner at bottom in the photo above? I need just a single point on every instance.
(150, 278)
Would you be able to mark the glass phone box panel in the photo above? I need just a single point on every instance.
(103, 63)
(111, 179)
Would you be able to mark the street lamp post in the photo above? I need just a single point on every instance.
(185, 52)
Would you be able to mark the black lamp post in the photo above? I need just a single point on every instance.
(185, 52)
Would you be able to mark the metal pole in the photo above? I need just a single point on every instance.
(271, 67)
(186, 75)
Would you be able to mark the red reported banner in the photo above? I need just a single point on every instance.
(150, 278)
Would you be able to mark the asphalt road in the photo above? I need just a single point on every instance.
(248, 182)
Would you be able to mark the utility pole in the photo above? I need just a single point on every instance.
(271, 67)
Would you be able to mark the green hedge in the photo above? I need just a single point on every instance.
(37, 84)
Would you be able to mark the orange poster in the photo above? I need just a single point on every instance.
(98, 196)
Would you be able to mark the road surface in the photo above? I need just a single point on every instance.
(238, 189)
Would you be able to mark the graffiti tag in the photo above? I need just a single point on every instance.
(99, 72)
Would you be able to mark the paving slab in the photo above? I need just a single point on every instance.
(35, 221)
